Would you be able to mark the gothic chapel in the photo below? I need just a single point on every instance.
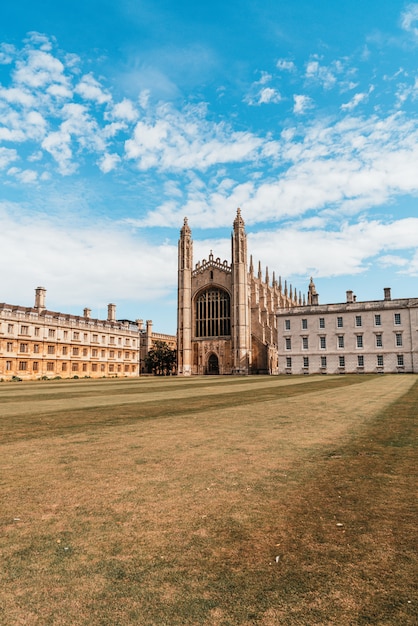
(226, 317)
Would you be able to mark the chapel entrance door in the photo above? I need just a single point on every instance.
(213, 364)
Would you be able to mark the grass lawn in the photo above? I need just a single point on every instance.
(217, 501)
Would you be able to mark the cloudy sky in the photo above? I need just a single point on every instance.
(117, 119)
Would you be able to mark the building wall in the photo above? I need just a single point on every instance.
(351, 337)
(37, 343)
(251, 345)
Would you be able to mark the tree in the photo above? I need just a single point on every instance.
(161, 360)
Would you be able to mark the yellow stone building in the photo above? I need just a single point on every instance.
(38, 343)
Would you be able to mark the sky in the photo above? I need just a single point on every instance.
(118, 119)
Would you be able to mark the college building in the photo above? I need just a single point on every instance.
(227, 313)
(377, 336)
(38, 343)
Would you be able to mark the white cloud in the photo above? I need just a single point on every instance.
(184, 140)
(409, 19)
(39, 69)
(7, 156)
(7, 53)
(90, 89)
(125, 110)
(285, 65)
(269, 95)
(302, 104)
(108, 162)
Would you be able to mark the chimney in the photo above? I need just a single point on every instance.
(386, 291)
(349, 297)
(40, 293)
(140, 324)
(111, 312)
(87, 313)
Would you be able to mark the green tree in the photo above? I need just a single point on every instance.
(161, 360)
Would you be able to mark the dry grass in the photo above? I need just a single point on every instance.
(211, 501)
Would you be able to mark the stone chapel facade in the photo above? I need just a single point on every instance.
(226, 316)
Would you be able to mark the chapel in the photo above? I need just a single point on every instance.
(226, 315)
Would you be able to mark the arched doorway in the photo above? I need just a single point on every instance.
(213, 364)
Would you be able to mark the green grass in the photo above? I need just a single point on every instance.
(209, 501)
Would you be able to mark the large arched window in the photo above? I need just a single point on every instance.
(213, 313)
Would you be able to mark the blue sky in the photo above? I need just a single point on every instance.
(117, 119)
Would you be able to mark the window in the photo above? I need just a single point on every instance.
(213, 314)
(358, 320)
(119, 341)
(120, 354)
(342, 361)
(126, 355)
(287, 324)
(8, 366)
(51, 332)
(9, 346)
(133, 343)
(126, 368)
(380, 360)
(341, 341)
(103, 353)
(400, 360)
(360, 360)
(359, 340)
(9, 328)
(84, 367)
(51, 349)
(24, 330)
(305, 361)
(377, 320)
(304, 324)
(397, 319)
(103, 338)
(339, 322)
(75, 351)
(64, 367)
(288, 343)
(111, 354)
(305, 344)
(23, 365)
(94, 367)
(102, 367)
(323, 361)
(37, 330)
(111, 367)
(23, 347)
(112, 340)
(127, 342)
(322, 322)
(36, 348)
(76, 336)
(84, 351)
(323, 342)
(288, 361)
(64, 350)
(65, 334)
(50, 366)
(398, 338)
(94, 352)
(85, 336)
(35, 366)
(95, 338)
(379, 341)
(74, 367)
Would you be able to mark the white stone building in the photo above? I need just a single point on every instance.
(378, 336)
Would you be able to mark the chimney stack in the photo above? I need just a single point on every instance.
(87, 313)
(386, 291)
(40, 294)
(349, 297)
(111, 312)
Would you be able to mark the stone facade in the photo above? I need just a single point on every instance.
(379, 336)
(37, 343)
(226, 317)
